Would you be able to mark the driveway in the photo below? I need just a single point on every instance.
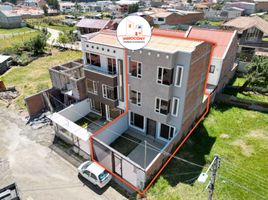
(39, 172)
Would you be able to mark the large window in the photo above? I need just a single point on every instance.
(164, 76)
(109, 92)
(95, 60)
(162, 106)
(135, 69)
(179, 72)
(166, 132)
(135, 97)
(92, 86)
(137, 120)
(111, 66)
(113, 112)
(96, 106)
(175, 107)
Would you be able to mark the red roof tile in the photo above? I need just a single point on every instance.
(221, 38)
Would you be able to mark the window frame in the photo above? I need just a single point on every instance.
(158, 110)
(212, 71)
(95, 87)
(181, 76)
(177, 108)
(138, 68)
(105, 93)
(132, 125)
(162, 75)
(170, 128)
(138, 97)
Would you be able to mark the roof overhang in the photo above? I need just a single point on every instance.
(70, 126)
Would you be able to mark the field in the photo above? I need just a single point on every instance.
(240, 138)
(14, 30)
(15, 40)
(35, 77)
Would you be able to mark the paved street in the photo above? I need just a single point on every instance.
(40, 173)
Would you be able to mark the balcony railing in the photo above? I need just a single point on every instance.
(97, 69)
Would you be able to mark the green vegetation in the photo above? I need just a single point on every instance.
(85, 121)
(240, 137)
(208, 23)
(14, 30)
(34, 77)
(125, 144)
(133, 8)
(7, 44)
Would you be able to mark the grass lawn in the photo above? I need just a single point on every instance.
(219, 23)
(240, 138)
(265, 39)
(14, 30)
(84, 122)
(16, 40)
(35, 77)
(239, 81)
(59, 27)
(124, 145)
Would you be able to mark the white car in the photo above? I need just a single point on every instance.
(94, 173)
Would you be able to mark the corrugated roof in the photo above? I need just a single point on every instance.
(93, 23)
(168, 32)
(221, 38)
(243, 23)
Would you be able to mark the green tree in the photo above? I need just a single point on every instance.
(63, 39)
(54, 4)
(37, 44)
(257, 73)
(133, 8)
(45, 9)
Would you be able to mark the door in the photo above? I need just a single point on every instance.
(103, 110)
(117, 164)
(151, 127)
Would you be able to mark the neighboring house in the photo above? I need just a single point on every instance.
(261, 5)
(86, 26)
(250, 33)
(9, 19)
(223, 14)
(5, 62)
(223, 67)
(175, 17)
(161, 95)
(67, 7)
(248, 8)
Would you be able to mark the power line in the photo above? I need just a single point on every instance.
(242, 187)
(156, 149)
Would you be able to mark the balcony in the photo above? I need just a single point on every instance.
(99, 70)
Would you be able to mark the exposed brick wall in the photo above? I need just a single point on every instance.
(261, 6)
(35, 104)
(175, 19)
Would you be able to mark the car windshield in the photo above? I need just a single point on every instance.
(86, 165)
(103, 175)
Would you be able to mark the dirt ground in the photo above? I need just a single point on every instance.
(40, 173)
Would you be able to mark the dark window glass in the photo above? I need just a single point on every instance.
(95, 59)
(111, 66)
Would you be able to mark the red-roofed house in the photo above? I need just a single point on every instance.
(222, 68)
(86, 26)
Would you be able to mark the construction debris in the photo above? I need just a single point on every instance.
(8, 94)
(39, 121)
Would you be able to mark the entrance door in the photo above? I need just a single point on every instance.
(117, 164)
(151, 127)
(103, 110)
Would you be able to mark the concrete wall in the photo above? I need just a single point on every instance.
(113, 131)
(76, 111)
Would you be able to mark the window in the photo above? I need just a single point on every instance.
(96, 106)
(135, 69)
(113, 112)
(137, 120)
(109, 92)
(161, 19)
(162, 106)
(175, 106)
(92, 86)
(111, 66)
(86, 173)
(179, 73)
(95, 59)
(166, 132)
(164, 76)
(135, 97)
(212, 69)
(93, 176)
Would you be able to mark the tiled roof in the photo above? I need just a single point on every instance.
(221, 38)
(93, 23)
(167, 32)
(243, 23)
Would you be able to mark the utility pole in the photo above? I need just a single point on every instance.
(214, 166)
